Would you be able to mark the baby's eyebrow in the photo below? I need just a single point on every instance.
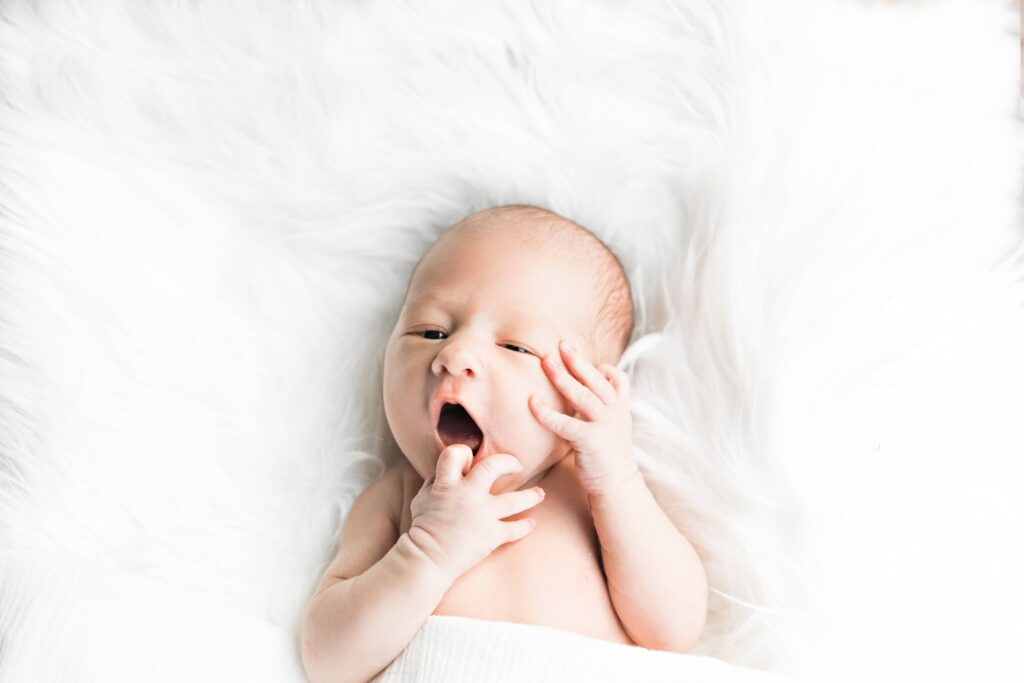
(431, 299)
(518, 321)
(435, 302)
(520, 317)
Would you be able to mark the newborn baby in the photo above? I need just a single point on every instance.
(520, 499)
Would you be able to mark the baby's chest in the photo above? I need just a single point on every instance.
(524, 577)
(552, 577)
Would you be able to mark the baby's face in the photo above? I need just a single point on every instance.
(481, 312)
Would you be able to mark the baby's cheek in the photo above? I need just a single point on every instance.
(546, 390)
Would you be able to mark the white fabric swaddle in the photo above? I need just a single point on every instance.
(460, 650)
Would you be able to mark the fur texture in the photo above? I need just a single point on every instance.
(208, 212)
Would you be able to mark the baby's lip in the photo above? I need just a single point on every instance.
(438, 402)
(442, 397)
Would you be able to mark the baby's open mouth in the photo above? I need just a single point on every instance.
(456, 426)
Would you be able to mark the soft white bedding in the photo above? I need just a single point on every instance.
(68, 620)
(208, 211)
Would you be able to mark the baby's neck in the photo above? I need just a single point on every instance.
(566, 464)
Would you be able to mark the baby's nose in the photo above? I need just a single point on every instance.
(456, 361)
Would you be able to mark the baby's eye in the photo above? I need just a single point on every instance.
(425, 332)
(514, 347)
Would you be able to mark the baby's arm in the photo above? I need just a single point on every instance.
(368, 606)
(655, 579)
(362, 618)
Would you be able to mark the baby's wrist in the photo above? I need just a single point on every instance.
(610, 486)
(422, 562)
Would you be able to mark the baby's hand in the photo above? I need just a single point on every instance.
(601, 432)
(456, 519)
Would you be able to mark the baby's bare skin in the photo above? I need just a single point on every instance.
(460, 527)
(552, 577)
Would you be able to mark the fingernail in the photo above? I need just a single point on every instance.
(540, 491)
(567, 346)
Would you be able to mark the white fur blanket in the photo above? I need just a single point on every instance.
(68, 620)
(208, 212)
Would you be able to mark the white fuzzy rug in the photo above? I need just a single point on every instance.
(208, 212)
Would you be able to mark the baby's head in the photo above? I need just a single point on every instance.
(492, 296)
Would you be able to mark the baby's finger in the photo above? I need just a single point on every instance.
(516, 501)
(517, 529)
(579, 395)
(452, 464)
(569, 428)
(618, 378)
(588, 375)
(485, 472)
